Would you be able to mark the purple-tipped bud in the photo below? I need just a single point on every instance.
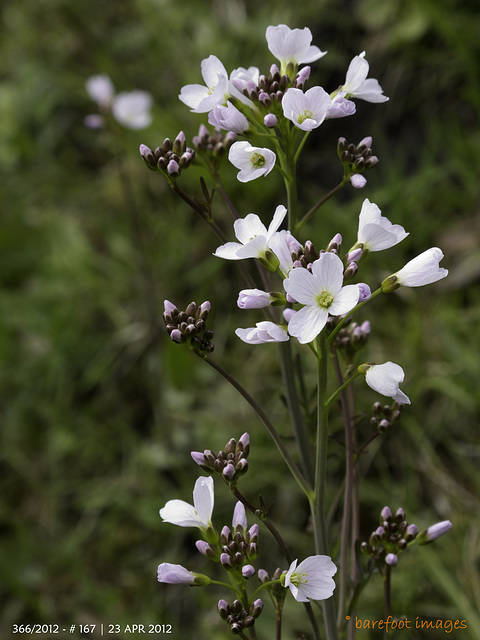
(225, 561)
(438, 529)
(304, 74)
(253, 533)
(203, 310)
(263, 576)
(225, 536)
(179, 144)
(173, 169)
(257, 607)
(355, 255)
(241, 466)
(365, 327)
(400, 515)
(358, 181)
(228, 471)
(177, 336)
(371, 162)
(199, 458)
(239, 520)
(351, 270)
(243, 444)
(148, 157)
(365, 142)
(385, 514)
(248, 571)
(411, 532)
(223, 608)
(391, 559)
(274, 70)
(270, 120)
(202, 546)
(380, 532)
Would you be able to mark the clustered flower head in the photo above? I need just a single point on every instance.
(394, 535)
(170, 157)
(356, 159)
(383, 416)
(189, 326)
(230, 463)
(352, 336)
(237, 616)
(129, 108)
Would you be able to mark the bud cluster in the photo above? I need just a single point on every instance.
(237, 617)
(216, 143)
(271, 88)
(189, 325)
(383, 416)
(304, 256)
(239, 548)
(356, 158)
(391, 537)
(170, 157)
(352, 336)
(230, 463)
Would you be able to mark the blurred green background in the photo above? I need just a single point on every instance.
(99, 410)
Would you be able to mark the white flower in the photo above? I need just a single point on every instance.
(292, 46)
(202, 99)
(311, 579)
(100, 89)
(322, 293)
(228, 117)
(282, 244)
(262, 333)
(376, 232)
(358, 86)
(200, 515)
(253, 162)
(132, 109)
(254, 237)
(241, 79)
(424, 269)
(306, 110)
(385, 379)
(340, 107)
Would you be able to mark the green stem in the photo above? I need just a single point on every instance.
(318, 204)
(298, 422)
(342, 388)
(318, 505)
(294, 470)
(347, 504)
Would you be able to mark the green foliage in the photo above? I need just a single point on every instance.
(100, 410)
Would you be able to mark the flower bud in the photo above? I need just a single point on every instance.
(248, 571)
(270, 120)
(257, 607)
(223, 608)
(391, 559)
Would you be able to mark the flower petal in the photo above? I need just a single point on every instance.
(307, 323)
(203, 498)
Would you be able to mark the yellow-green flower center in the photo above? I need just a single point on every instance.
(257, 160)
(324, 299)
(299, 578)
(304, 116)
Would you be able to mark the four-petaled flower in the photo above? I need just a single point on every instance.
(262, 333)
(322, 293)
(385, 379)
(202, 99)
(253, 162)
(254, 237)
(306, 110)
(200, 514)
(292, 46)
(375, 232)
(312, 579)
(357, 85)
